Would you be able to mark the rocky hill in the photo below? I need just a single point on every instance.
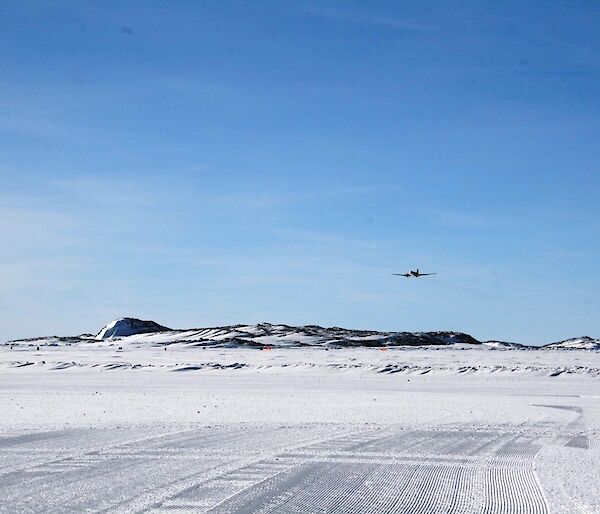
(134, 331)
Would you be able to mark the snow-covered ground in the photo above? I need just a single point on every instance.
(132, 428)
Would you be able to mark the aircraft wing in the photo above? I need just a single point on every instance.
(422, 274)
(400, 274)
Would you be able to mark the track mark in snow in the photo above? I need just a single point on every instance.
(283, 469)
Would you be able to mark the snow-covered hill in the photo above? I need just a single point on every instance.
(132, 331)
(501, 345)
(123, 327)
(577, 343)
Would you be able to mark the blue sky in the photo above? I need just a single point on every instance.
(207, 163)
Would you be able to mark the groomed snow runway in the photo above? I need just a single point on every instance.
(241, 468)
(298, 439)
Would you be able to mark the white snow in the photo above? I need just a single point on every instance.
(155, 423)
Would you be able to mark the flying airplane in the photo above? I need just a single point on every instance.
(413, 274)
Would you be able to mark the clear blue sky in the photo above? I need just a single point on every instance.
(206, 163)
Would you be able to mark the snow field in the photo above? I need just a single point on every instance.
(261, 468)
(279, 438)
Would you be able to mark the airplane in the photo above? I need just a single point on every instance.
(413, 274)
